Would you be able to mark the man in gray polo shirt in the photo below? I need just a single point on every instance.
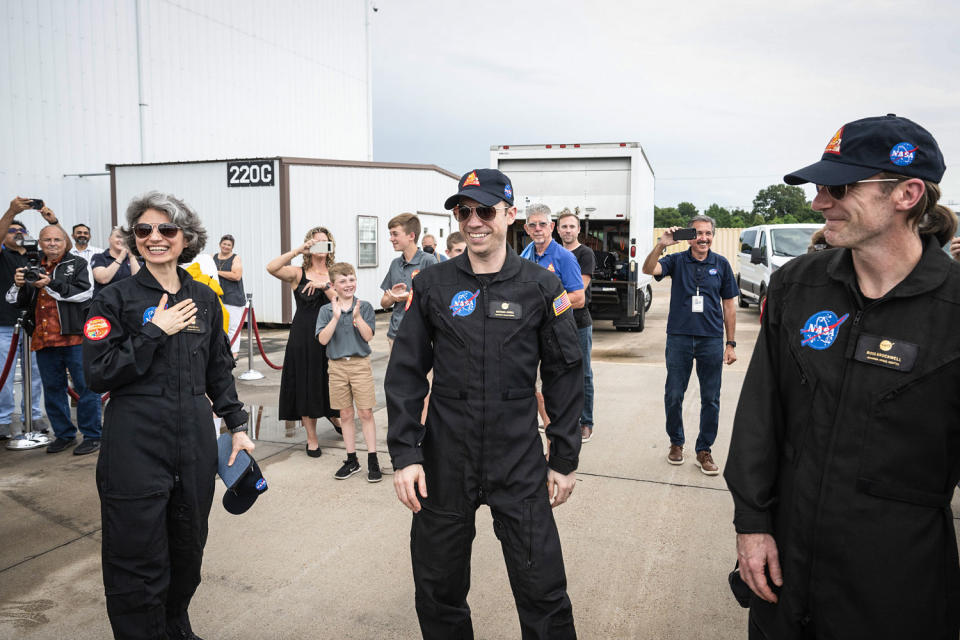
(398, 285)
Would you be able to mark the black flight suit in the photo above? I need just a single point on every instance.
(158, 461)
(846, 448)
(484, 337)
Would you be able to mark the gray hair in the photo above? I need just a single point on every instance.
(713, 223)
(179, 213)
(538, 209)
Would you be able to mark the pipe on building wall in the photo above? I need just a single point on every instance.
(140, 84)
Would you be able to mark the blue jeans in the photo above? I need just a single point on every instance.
(681, 352)
(6, 393)
(54, 362)
(586, 344)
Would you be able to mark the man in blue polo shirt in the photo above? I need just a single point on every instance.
(554, 258)
(702, 305)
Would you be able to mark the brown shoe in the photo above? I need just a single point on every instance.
(676, 454)
(706, 463)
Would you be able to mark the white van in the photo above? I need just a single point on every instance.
(763, 250)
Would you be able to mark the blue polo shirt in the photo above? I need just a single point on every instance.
(716, 283)
(559, 261)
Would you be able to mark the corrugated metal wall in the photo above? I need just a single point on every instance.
(334, 196)
(221, 79)
(726, 242)
(249, 214)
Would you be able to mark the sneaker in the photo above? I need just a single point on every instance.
(706, 463)
(89, 445)
(586, 432)
(676, 454)
(60, 444)
(373, 469)
(349, 468)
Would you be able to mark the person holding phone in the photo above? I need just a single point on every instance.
(304, 381)
(155, 341)
(702, 305)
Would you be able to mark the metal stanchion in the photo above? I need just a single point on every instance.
(250, 373)
(29, 439)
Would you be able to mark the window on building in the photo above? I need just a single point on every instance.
(367, 254)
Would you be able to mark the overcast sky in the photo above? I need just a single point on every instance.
(724, 97)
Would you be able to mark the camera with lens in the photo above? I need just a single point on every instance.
(34, 271)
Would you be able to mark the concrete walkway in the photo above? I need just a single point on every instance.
(647, 545)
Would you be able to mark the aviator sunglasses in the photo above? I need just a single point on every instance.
(462, 212)
(167, 229)
(839, 191)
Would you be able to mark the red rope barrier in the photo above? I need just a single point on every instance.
(11, 356)
(239, 327)
(76, 396)
(256, 333)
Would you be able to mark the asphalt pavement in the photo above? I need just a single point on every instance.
(647, 545)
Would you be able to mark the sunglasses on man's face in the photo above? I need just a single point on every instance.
(167, 229)
(462, 212)
(16, 230)
(839, 191)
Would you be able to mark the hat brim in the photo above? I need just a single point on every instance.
(830, 173)
(474, 193)
(238, 503)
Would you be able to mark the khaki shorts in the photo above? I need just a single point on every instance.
(351, 382)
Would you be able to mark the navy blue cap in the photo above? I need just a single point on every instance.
(243, 478)
(863, 148)
(486, 186)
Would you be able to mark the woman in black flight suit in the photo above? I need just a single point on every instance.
(155, 341)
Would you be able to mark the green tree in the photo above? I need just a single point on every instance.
(667, 217)
(780, 200)
(686, 211)
(718, 213)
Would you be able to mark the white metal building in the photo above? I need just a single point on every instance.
(268, 204)
(122, 81)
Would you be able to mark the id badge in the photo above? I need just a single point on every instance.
(697, 304)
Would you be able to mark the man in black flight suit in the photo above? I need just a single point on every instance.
(484, 321)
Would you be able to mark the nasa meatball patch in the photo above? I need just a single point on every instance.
(821, 329)
(96, 328)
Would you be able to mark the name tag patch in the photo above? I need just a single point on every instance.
(505, 310)
(886, 352)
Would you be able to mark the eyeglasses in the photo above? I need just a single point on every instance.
(167, 229)
(462, 212)
(537, 225)
(16, 230)
(839, 191)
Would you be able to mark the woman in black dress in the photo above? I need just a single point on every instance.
(304, 387)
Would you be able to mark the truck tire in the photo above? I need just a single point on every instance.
(647, 298)
(743, 303)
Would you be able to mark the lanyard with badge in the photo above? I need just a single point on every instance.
(697, 300)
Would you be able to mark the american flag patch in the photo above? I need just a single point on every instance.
(561, 303)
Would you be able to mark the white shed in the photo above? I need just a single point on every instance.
(268, 204)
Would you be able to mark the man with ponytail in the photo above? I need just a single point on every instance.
(845, 451)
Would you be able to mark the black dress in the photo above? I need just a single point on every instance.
(304, 386)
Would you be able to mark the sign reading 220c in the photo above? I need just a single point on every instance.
(250, 173)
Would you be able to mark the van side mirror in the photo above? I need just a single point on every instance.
(757, 257)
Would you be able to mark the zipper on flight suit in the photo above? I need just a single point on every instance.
(483, 384)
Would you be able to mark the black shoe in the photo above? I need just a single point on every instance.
(373, 469)
(60, 444)
(349, 468)
(181, 634)
(336, 425)
(89, 445)
(314, 453)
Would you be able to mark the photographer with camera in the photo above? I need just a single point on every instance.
(13, 256)
(56, 293)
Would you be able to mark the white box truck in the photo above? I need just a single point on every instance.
(610, 187)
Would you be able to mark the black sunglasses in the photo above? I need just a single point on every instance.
(167, 229)
(462, 213)
(839, 191)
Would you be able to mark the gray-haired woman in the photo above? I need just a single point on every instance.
(155, 341)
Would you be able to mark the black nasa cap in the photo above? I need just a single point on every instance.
(863, 148)
(243, 479)
(486, 186)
